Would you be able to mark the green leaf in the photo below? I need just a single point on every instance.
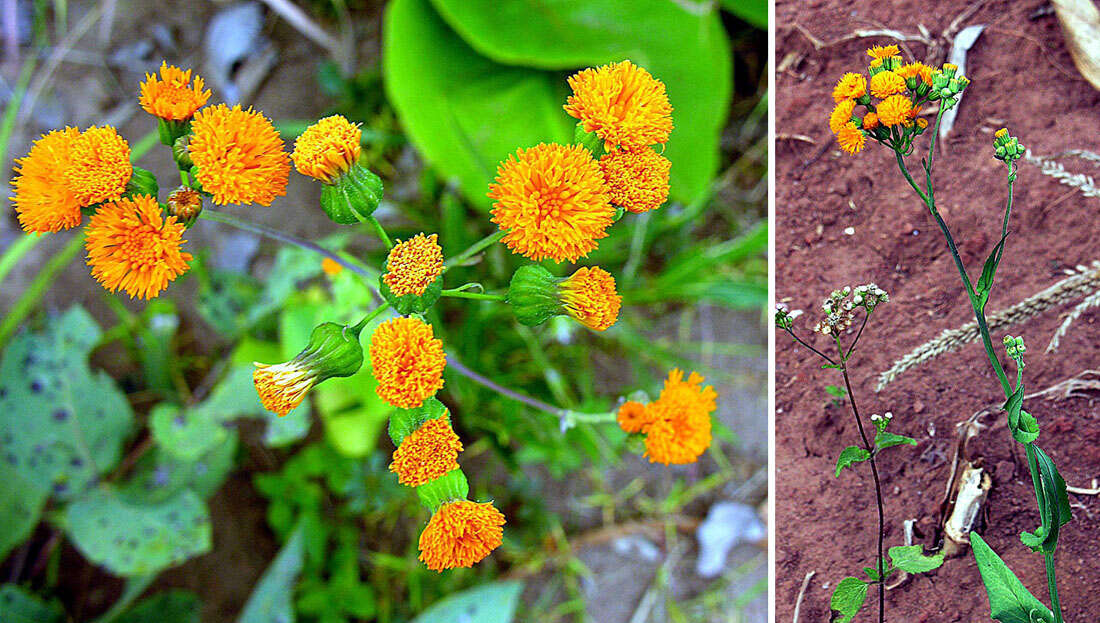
(686, 48)
(464, 112)
(1024, 427)
(62, 424)
(871, 573)
(18, 605)
(271, 600)
(884, 439)
(849, 456)
(754, 12)
(1055, 511)
(495, 602)
(989, 270)
(21, 504)
(1009, 600)
(131, 539)
(848, 598)
(911, 558)
(172, 606)
(838, 392)
(160, 475)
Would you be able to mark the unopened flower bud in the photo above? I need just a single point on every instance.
(588, 295)
(333, 351)
(185, 204)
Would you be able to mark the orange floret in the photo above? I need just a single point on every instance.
(43, 203)
(413, 265)
(99, 166)
(851, 138)
(887, 83)
(841, 115)
(283, 386)
(680, 427)
(328, 148)
(589, 296)
(407, 361)
(172, 96)
(850, 86)
(633, 417)
(427, 453)
(895, 110)
(239, 155)
(637, 180)
(622, 103)
(460, 534)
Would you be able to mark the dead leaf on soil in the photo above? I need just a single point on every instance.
(959, 47)
(1080, 21)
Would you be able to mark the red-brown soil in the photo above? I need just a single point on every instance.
(1023, 78)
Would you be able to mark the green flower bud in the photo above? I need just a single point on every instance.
(352, 196)
(142, 182)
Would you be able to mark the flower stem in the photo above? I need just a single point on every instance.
(371, 316)
(473, 249)
(462, 294)
(454, 363)
(378, 229)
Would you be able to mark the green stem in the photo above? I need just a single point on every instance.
(371, 316)
(378, 229)
(474, 249)
(42, 282)
(1052, 585)
(458, 293)
(15, 252)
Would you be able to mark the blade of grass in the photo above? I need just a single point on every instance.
(42, 282)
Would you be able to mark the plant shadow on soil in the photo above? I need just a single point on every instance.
(1024, 79)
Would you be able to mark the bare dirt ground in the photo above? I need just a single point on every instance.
(1023, 78)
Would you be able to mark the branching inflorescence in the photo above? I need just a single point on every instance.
(551, 202)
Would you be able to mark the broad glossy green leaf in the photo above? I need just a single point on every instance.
(754, 12)
(911, 558)
(1009, 600)
(130, 538)
(886, 440)
(271, 599)
(848, 598)
(683, 45)
(17, 605)
(850, 456)
(495, 602)
(464, 112)
(61, 424)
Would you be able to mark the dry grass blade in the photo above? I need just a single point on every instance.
(1081, 25)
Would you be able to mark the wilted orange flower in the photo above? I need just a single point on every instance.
(408, 362)
(460, 534)
(887, 83)
(637, 180)
(43, 203)
(328, 148)
(841, 115)
(851, 139)
(680, 426)
(99, 166)
(239, 155)
(633, 417)
(413, 265)
(589, 296)
(920, 70)
(895, 110)
(283, 386)
(427, 453)
(132, 247)
(622, 103)
(331, 267)
(552, 201)
(880, 52)
(850, 86)
(172, 96)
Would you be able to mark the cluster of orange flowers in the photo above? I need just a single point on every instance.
(677, 426)
(900, 91)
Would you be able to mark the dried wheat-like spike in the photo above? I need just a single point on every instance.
(1093, 300)
(1080, 181)
(1084, 281)
(1083, 154)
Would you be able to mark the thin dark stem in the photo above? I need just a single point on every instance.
(454, 363)
(817, 352)
(878, 495)
(858, 334)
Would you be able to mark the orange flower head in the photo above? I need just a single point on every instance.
(43, 203)
(922, 123)
(172, 96)
(331, 267)
(851, 138)
(680, 426)
(895, 110)
(870, 121)
(637, 179)
(132, 247)
(429, 452)
(633, 417)
(589, 296)
(239, 155)
(327, 149)
(408, 362)
(887, 83)
(99, 166)
(1002, 133)
(916, 70)
(850, 86)
(841, 115)
(283, 386)
(413, 265)
(622, 103)
(880, 52)
(552, 201)
(460, 534)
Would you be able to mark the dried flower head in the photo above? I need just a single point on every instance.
(850, 86)
(239, 155)
(43, 203)
(460, 534)
(283, 386)
(633, 417)
(637, 180)
(622, 103)
(429, 452)
(841, 115)
(589, 296)
(407, 361)
(895, 110)
(328, 148)
(851, 138)
(172, 96)
(887, 83)
(413, 265)
(679, 430)
(132, 247)
(184, 203)
(552, 201)
(98, 166)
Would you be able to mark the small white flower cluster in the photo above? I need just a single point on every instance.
(839, 308)
(785, 316)
(869, 296)
(885, 417)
